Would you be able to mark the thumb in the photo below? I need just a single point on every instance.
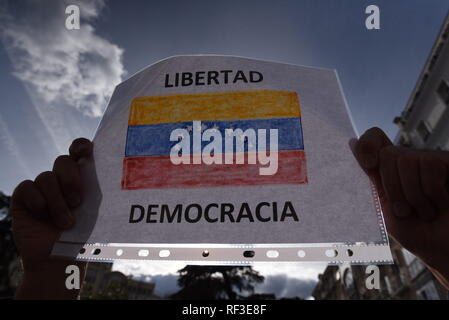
(373, 174)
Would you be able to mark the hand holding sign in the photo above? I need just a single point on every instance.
(414, 194)
(41, 209)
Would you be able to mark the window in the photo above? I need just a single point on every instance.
(388, 285)
(423, 130)
(443, 91)
(3, 213)
(348, 278)
(446, 146)
(428, 292)
(415, 265)
(337, 275)
(408, 256)
(435, 114)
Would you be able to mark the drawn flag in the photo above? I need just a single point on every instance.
(147, 162)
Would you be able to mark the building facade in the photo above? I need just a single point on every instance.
(424, 123)
(407, 278)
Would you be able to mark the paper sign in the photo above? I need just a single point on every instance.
(217, 159)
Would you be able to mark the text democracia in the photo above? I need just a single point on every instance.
(213, 213)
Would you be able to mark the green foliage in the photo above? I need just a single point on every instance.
(113, 291)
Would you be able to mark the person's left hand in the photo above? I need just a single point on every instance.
(41, 210)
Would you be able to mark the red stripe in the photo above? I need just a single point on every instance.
(159, 172)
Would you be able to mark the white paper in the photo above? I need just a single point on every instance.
(337, 208)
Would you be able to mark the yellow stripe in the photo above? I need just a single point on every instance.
(233, 105)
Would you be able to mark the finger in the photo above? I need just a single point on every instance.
(368, 147)
(391, 181)
(68, 175)
(80, 148)
(434, 175)
(27, 197)
(48, 186)
(372, 174)
(409, 173)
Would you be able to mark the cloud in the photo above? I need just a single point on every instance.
(8, 141)
(166, 284)
(286, 287)
(309, 270)
(77, 68)
(147, 267)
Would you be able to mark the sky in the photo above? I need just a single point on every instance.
(55, 83)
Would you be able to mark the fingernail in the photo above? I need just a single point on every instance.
(401, 210)
(368, 161)
(79, 148)
(73, 200)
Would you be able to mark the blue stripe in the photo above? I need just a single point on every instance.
(154, 139)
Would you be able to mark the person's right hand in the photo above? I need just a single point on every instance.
(41, 210)
(413, 191)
